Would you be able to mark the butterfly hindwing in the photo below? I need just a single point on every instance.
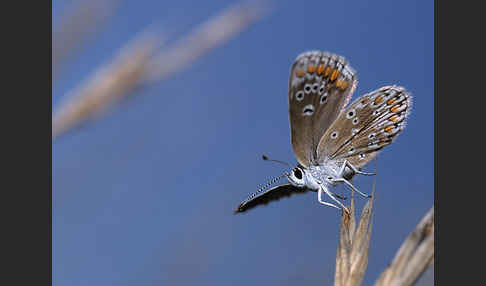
(320, 85)
(370, 123)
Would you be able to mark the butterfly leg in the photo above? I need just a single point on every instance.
(342, 180)
(353, 168)
(319, 197)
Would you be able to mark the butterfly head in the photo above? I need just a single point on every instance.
(301, 177)
(298, 176)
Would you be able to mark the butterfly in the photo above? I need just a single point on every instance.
(331, 142)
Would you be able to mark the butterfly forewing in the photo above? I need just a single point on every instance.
(370, 123)
(320, 85)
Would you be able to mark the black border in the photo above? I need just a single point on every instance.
(27, 151)
(48, 126)
(459, 79)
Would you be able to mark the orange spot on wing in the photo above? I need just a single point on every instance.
(334, 74)
(389, 129)
(320, 69)
(395, 108)
(328, 71)
(379, 99)
(311, 69)
(394, 118)
(299, 73)
(342, 84)
(391, 101)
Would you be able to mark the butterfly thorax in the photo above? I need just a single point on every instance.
(326, 172)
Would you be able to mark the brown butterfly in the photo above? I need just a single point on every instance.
(333, 143)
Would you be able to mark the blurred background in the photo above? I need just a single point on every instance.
(162, 109)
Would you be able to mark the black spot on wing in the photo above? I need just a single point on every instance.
(273, 194)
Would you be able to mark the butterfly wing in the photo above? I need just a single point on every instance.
(273, 194)
(370, 123)
(320, 85)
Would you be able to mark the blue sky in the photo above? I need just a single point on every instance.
(145, 195)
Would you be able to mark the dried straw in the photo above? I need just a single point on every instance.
(138, 64)
(414, 256)
(76, 26)
(352, 252)
(412, 259)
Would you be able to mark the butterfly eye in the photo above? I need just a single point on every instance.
(355, 121)
(334, 135)
(315, 86)
(321, 89)
(298, 174)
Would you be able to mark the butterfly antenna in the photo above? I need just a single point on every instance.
(265, 158)
(265, 187)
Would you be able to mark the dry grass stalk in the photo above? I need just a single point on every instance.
(107, 85)
(76, 26)
(414, 256)
(138, 65)
(412, 259)
(206, 37)
(352, 252)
